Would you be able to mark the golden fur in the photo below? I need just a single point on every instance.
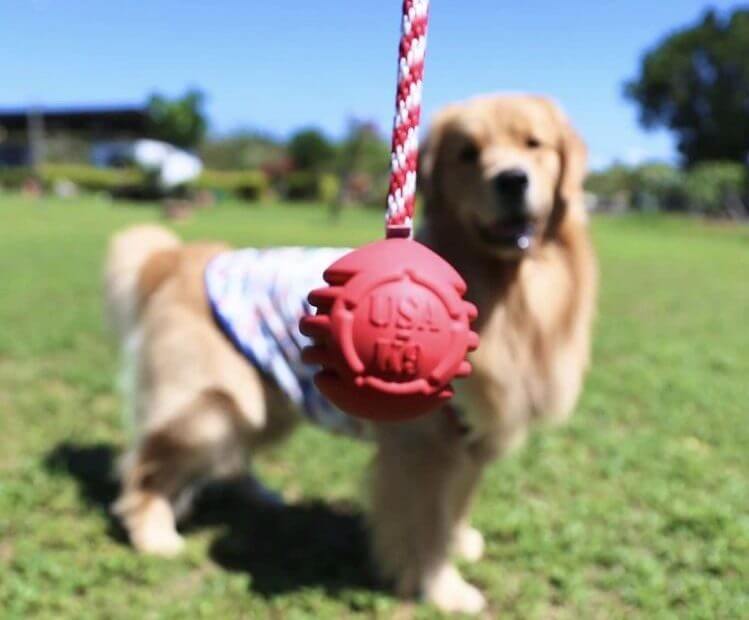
(201, 409)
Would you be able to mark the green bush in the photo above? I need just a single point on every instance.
(614, 182)
(301, 185)
(717, 188)
(90, 178)
(378, 191)
(14, 178)
(86, 178)
(712, 188)
(245, 184)
(307, 185)
(241, 151)
(658, 187)
(311, 150)
(329, 187)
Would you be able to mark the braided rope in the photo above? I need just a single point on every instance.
(405, 149)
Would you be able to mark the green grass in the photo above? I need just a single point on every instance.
(638, 508)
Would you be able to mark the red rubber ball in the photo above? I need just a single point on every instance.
(391, 331)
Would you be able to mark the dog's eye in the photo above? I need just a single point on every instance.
(532, 143)
(469, 154)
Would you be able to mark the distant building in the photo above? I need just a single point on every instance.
(23, 132)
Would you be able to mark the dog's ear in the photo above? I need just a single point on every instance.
(428, 159)
(429, 152)
(569, 194)
(574, 160)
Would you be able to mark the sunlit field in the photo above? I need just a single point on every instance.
(638, 508)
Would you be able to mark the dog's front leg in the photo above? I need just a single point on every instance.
(466, 541)
(422, 481)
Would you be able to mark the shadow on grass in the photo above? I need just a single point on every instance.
(282, 548)
(288, 547)
(93, 468)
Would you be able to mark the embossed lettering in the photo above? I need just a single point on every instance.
(380, 310)
(408, 308)
(427, 321)
(407, 313)
(411, 353)
(397, 357)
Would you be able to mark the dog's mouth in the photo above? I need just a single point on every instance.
(515, 233)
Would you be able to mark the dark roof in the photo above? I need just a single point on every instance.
(80, 119)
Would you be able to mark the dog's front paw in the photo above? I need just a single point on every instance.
(468, 543)
(152, 528)
(162, 542)
(450, 593)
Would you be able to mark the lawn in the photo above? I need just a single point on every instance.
(638, 508)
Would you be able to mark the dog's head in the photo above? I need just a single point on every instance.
(504, 170)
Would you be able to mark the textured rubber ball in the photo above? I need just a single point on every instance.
(391, 331)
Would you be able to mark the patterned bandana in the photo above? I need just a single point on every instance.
(258, 297)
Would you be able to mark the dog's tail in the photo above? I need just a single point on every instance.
(124, 287)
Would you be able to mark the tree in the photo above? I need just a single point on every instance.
(242, 150)
(696, 83)
(363, 164)
(311, 150)
(364, 150)
(181, 121)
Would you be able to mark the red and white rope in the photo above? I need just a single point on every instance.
(405, 151)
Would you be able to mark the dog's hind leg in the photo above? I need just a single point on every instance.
(203, 441)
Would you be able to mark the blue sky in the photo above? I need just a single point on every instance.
(282, 64)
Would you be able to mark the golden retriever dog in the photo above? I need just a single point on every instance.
(502, 181)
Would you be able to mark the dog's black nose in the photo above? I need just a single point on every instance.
(511, 183)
